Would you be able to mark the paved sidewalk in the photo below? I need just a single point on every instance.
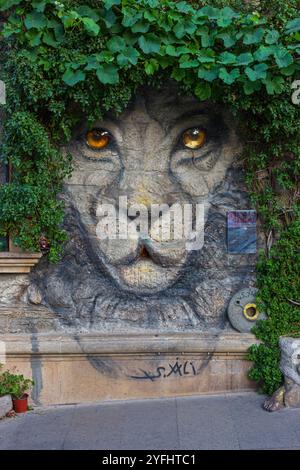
(234, 421)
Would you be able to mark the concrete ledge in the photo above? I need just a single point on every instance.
(46, 344)
(11, 262)
(91, 367)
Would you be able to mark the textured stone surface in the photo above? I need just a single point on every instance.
(105, 285)
(292, 394)
(290, 358)
(5, 405)
(12, 288)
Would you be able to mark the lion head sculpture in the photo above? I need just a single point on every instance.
(163, 150)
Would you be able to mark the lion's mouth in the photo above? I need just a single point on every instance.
(150, 271)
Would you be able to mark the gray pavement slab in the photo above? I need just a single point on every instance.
(231, 421)
(205, 422)
(258, 429)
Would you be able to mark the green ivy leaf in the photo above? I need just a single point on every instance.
(71, 77)
(109, 18)
(274, 85)
(208, 75)
(254, 38)
(116, 44)
(228, 77)
(283, 58)
(228, 39)
(251, 87)
(150, 16)
(6, 4)
(178, 74)
(129, 56)
(91, 26)
(206, 56)
(58, 29)
(171, 50)
(293, 26)
(184, 7)
(227, 58)
(109, 3)
(228, 12)
(244, 59)
(70, 19)
(226, 16)
(34, 37)
(130, 17)
(153, 3)
(206, 39)
(35, 20)
(107, 74)
(272, 36)
(151, 66)
(290, 70)
(189, 27)
(140, 27)
(258, 72)
(48, 38)
(209, 12)
(203, 91)
(263, 53)
(187, 64)
(85, 11)
(179, 30)
(164, 61)
(150, 43)
(40, 5)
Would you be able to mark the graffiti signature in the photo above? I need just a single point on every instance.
(178, 368)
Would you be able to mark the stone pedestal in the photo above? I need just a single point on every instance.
(92, 367)
(5, 405)
(289, 394)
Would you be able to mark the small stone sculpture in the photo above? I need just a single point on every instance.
(289, 394)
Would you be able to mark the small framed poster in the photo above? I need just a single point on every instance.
(241, 232)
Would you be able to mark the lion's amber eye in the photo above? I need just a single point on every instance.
(194, 138)
(97, 138)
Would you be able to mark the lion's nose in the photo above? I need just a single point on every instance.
(132, 217)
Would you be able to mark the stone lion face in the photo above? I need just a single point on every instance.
(163, 150)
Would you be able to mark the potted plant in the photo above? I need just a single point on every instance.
(16, 385)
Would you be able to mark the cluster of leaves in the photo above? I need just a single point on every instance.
(202, 45)
(65, 60)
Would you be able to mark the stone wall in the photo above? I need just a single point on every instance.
(94, 367)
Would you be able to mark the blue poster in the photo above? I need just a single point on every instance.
(241, 232)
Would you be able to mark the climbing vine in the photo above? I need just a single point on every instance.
(62, 60)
